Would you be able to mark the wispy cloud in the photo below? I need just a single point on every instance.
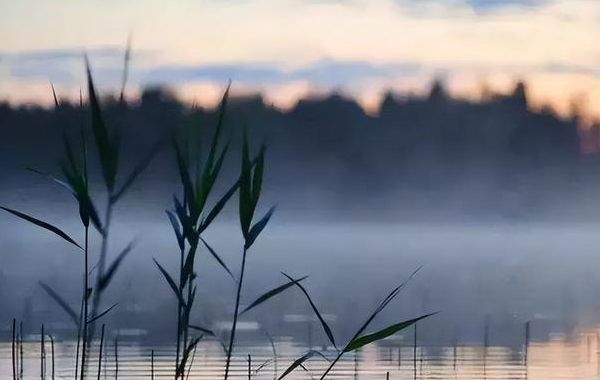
(64, 66)
(490, 5)
(325, 72)
(562, 68)
(62, 55)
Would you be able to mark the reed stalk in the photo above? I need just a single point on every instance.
(52, 352)
(249, 367)
(152, 365)
(116, 357)
(42, 354)
(235, 315)
(14, 356)
(20, 349)
(100, 351)
(84, 316)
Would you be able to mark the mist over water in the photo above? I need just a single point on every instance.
(508, 273)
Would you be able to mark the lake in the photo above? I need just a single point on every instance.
(561, 357)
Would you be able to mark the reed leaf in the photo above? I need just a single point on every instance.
(202, 329)
(175, 225)
(186, 223)
(298, 362)
(184, 175)
(258, 175)
(216, 169)
(258, 227)
(56, 103)
(186, 354)
(382, 334)
(42, 224)
(76, 177)
(272, 293)
(141, 166)
(221, 118)
(87, 210)
(77, 187)
(212, 214)
(390, 297)
(125, 73)
(246, 210)
(107, 146)
(209, 178)
(171, 282)
(263, 365)
(188, 308)
(392, 294)
(315, 310)
(112, 269)
(210, 169)
(102, 314)
(219, 260)
(188, 266)
(60, 182)
(61, 302)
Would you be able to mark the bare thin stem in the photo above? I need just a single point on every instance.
(179, 311)
(14, 356)
(100, 352)
(415, 353)
(42, 354)
(79, 336)
(20, 350)
(97, 295)
(249, 366)
(52, 351)
(152, 365)
(116, 357)
(186, 314)
(84, 317)
(235, 315)
(187, 377)
(272, 342)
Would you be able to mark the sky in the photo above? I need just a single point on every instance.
(287, 49)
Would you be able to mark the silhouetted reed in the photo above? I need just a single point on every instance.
(190, 217)
(193, 213)
(250, 186)
(75, 180)
(14, 349)
(152, 365)
(100, 351)
(116, 353)
(42, 353)
(52, 353)
(358, 340)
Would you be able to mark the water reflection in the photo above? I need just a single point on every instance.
(561, 357)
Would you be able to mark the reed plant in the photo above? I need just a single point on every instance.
(359, 339)
(250, 187)
(194, 210)
(191, 216)
(75, 180)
